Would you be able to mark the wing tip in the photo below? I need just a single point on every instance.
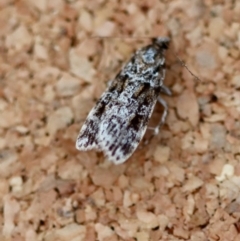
(82, 145)
(117, 158)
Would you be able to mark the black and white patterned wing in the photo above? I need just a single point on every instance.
(125, 123)
(119, 120)
(87, 138)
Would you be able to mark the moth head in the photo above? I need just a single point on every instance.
(161, 42)
(154, 52)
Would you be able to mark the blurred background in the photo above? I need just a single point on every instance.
(56, 58)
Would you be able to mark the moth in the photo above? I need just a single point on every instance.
(118, 121)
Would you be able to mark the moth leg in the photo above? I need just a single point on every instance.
(165, 90)
(163, 118)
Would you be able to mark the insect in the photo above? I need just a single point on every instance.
(118, 122)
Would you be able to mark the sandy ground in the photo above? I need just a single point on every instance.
(55, 60)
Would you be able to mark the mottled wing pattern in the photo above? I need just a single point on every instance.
(87, 138)
(119, 120)
(126, 121)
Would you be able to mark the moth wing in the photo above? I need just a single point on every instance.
(124, 126)
(87, 137)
